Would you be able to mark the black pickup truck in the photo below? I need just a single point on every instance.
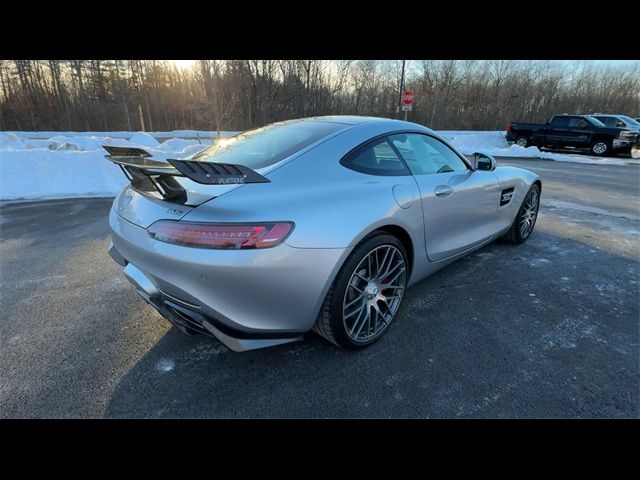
(577, 131)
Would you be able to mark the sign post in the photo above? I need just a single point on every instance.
(406, 99)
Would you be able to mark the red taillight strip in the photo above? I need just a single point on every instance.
(222, 236)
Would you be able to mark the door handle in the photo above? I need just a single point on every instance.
(443, 190)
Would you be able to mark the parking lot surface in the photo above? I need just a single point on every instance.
(547, 329)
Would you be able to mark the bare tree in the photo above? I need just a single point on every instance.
(241, 94)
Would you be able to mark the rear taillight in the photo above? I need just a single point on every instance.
(508, 127)
(216, 235)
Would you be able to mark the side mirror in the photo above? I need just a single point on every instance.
(483, 161)
(583, 124)
(620, 124)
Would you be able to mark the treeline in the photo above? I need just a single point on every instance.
(240, 94)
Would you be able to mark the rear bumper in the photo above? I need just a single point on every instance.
(247, 299)
(184, 317)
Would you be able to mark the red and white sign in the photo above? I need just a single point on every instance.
(408, 97)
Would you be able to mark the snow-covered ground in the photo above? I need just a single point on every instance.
(124, 134)
(37, 165)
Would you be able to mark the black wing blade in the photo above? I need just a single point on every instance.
(210, 173)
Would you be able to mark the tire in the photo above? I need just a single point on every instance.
(523, 141)
(515, 234)
(347, 331)
(600, 147)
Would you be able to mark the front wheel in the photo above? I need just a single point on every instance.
(526, 219)
(366, 294)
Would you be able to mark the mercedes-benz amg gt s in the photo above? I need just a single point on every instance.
(312, 224)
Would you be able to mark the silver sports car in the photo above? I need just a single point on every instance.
(312, 224)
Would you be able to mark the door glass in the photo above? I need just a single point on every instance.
(608, 121)
(576, 122)
(426, 155)
(560, 122)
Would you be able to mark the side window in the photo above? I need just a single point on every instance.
(425, 155)
(577, 122)
(609, 121)
(376, 158)
(560, 121)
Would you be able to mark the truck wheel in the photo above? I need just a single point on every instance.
(600, 147)
(523, 142)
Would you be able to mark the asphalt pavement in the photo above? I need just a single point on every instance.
(548, 329)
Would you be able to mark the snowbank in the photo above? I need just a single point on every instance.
(144, 139)
(36, 174)
(71, 165)
(159, 134)
(36, 165)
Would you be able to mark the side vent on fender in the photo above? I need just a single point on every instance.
(506, 196)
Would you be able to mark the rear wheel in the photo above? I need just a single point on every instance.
(523, 142)
(526, 219)
(366, 294)
(600, 147)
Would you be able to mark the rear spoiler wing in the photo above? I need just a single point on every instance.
(143, 172)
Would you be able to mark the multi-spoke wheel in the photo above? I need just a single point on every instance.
(366, 294)
(529, 214)
(600, 147)
(526, 218)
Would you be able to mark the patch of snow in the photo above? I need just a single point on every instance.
(180, 145)
(144, 139)
(165, 365)
(67, 166)
(126, 135)
(34, 174)
(10, 141)
(563, 204)
(193, 149)
(540, 262)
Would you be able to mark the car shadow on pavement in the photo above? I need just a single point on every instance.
(547, 329)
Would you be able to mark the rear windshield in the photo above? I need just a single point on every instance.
(268, 145)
